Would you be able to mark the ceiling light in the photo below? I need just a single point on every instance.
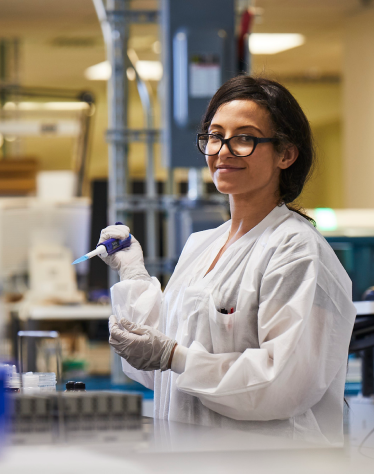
(131, 74)
(98, 72)
(147, 70)
(273, 43)
(11, 129)
(46, 106)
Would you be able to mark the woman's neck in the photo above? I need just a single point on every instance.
(247, 212)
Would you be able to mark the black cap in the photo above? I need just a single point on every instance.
(70, 385)
(79, 386)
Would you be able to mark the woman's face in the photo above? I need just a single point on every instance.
(255, 174)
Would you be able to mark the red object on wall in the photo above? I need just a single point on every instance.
(245, 28)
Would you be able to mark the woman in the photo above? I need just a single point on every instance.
(254, 325)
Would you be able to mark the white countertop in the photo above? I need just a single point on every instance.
(61, 312)
(176, 448)
(82, 311)
(364, 307)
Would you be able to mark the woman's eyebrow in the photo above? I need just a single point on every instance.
(250, 126)
(243, 127)
(215, 125)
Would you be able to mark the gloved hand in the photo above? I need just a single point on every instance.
(144, 347)
(129, 262)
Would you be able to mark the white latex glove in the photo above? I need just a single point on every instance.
(144, 347)
(129, 262)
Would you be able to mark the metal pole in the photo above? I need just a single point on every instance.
(151, 227)
(115, 30)
(117, 102)
(195, 183)
(81, 163)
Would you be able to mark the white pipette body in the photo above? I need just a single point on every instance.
(100, 250)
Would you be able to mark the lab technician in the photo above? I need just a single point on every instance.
(253, 328)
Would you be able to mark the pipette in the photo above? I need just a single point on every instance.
(108, 247)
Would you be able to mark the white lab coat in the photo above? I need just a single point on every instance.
(278, 362)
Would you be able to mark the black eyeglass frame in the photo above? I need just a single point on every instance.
(226, 141)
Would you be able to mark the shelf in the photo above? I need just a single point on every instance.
(66, 312)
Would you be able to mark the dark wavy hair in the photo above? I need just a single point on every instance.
(290, 125)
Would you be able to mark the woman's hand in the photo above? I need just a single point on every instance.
(129, 262)
(144, 347)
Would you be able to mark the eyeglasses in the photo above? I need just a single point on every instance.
(239, 145)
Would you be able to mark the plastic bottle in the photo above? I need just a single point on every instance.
(30, 383)
(70, 386)
(47, 381)
(79, 387)
(13, 383)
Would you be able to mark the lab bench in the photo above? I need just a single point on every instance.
(30, 318)
(167, 447)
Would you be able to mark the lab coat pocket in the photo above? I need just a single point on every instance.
(221, 329)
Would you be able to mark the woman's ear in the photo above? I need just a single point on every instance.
(288, 157)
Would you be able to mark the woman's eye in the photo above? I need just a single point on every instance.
(245, 138)
(215, 136)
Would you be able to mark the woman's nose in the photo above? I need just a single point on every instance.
(224, 151)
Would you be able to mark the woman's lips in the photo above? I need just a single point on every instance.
(228, 170)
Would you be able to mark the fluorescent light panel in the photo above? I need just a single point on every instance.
(273, 43)
(98, 72)
(46, 106)
(147, 70)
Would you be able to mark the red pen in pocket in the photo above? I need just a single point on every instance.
(231, 310)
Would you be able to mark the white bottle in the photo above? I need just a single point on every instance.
(30, 383)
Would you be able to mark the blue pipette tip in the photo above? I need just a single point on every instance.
(79, 260)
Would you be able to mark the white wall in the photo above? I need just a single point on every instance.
(358, 111)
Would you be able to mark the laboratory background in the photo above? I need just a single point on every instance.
(100, 103)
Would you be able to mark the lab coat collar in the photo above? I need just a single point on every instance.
(259, 232)
(277, 215)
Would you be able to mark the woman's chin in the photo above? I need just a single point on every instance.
(225, 188)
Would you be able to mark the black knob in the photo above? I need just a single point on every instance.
(70, 385)
(79, 386)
